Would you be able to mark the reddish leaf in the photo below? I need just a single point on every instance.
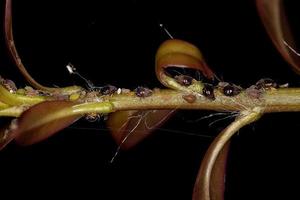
(128, 128)
(218, 173)
(275, 21)
(42, 120)
(181, 54)
(6, 136)
(217, 182)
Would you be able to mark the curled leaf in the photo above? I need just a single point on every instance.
(128, 128)
(181, 54)
(273, 16)
(212, 171)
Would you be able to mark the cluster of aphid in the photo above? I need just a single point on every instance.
(228, 89)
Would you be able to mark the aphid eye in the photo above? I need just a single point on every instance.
(266, 83)
(184, 80)
(208, 91)
(108, 89)
(143, 92)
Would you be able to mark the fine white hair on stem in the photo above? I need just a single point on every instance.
(227, 117)
(124, 139)
(166, 30)
(291, 48)
(72, 70)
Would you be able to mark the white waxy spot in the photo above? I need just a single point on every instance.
(119, 91)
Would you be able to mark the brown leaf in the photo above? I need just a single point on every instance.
(217, 186)
(42, 121)
(181, 54)
(128, 128)
(273, 16)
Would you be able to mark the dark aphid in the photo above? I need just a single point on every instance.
(190, 98)
(266, 83)
(108, 89)
(231, 90)
(184, 80)
(208, 91)
(143, 92)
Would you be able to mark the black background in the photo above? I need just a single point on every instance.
(115, 42)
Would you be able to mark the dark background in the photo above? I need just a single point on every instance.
(115, 43)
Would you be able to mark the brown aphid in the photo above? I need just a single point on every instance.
(231, 90)
(266, 83)
(108, 89)
(208, 91)
(143, 92)
(184, 80)
(9, 85)
(190, 98)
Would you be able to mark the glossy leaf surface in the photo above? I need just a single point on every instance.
(274, 18)
(43, 120)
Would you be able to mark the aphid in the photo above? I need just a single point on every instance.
(9, 85)
(208, 91)
(266, 83)
(183, 80)
(143, 92)
(92, 117)
(231, 90)
(190, 98)
(108, 89)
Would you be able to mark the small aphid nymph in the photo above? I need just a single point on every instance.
(9, 85)
(208, 91)
(108, 90)
(184, 80)
(266, 83)
(92, 117)
(143, 92)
